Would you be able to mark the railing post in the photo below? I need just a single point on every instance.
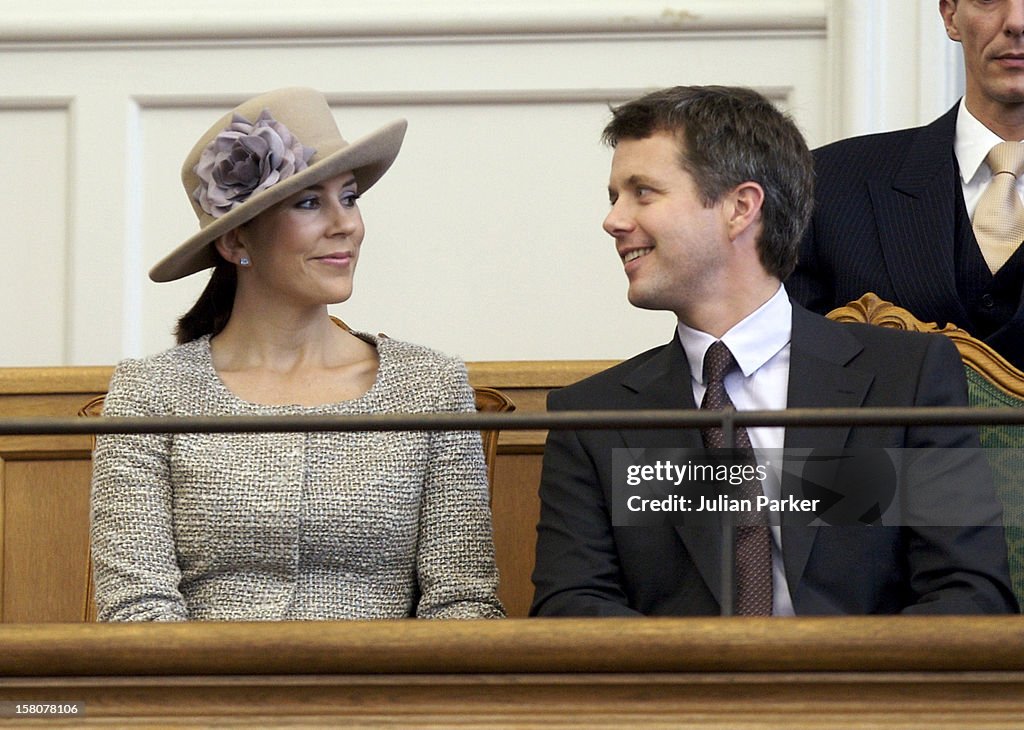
(728, 541)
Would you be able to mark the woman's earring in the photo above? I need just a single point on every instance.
(244, 261)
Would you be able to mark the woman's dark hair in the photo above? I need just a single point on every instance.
(212, 310)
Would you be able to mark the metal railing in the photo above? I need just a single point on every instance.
(564, 420)
(728, 419)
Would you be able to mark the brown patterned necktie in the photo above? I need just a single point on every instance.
(753, 536)
(999, 217)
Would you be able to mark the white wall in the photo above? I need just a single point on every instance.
(484, 240)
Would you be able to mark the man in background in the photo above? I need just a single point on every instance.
(931, 218)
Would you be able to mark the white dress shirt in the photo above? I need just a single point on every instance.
(761, 345)
(972, 144)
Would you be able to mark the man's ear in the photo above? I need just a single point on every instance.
(744, 207)
(947, 9)
(231, 246)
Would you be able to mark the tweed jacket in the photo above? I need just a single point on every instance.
(250, 527)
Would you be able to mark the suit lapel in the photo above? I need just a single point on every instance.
(916, 232)
(665, 382)
(662, 382)
(819, 376)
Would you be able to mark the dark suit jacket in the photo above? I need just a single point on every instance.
(890, 218)
(587, 566)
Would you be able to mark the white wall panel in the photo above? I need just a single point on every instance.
(893, 65)
(33, 231)
(181, 19)
(485, 238)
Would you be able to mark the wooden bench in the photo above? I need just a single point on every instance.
(44, 485)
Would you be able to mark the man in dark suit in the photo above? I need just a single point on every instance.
(710, 190)
(894, 211)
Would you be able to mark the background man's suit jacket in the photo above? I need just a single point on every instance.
(585, 566)
(890, 218)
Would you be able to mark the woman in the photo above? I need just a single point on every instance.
(287, 526)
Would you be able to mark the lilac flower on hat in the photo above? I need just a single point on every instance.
(244, 159)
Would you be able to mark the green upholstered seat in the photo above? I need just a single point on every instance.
(1006, 444)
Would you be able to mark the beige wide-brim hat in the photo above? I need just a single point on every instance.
(278, 143)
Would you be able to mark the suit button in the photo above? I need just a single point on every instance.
(987, 301)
